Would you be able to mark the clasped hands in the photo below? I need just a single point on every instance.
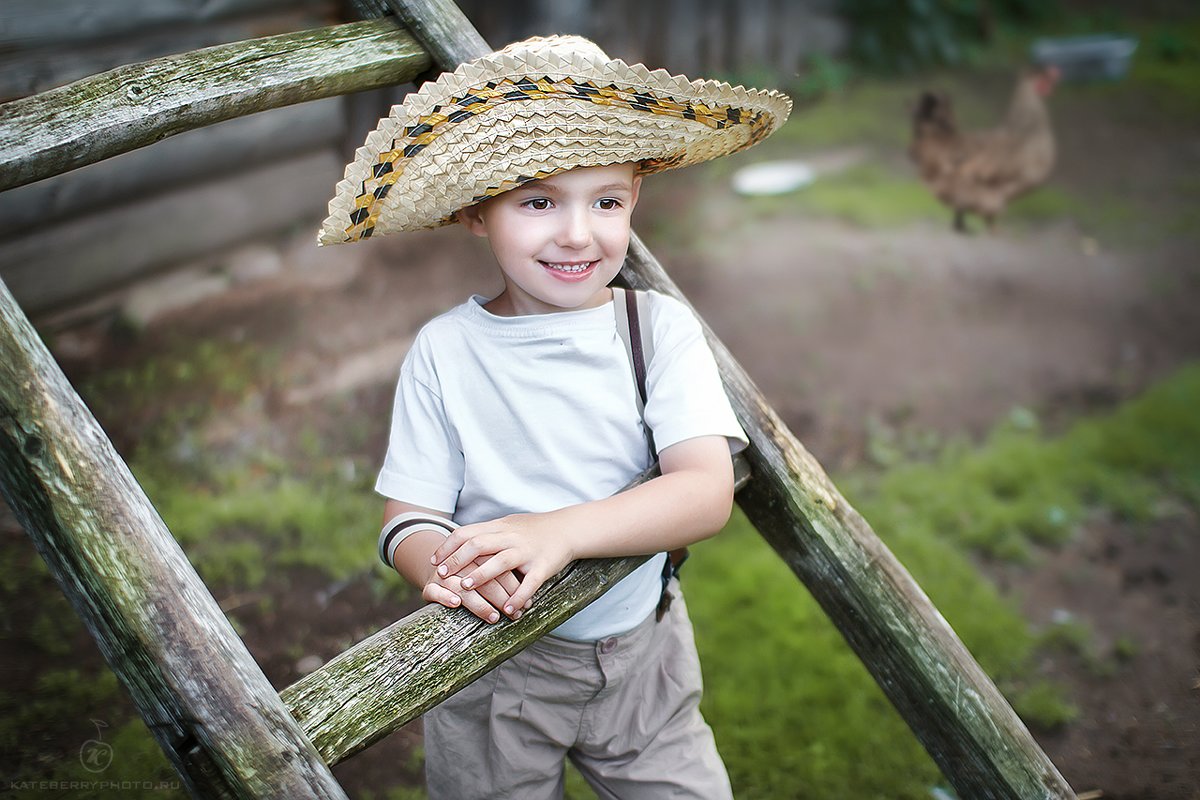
(495, 567)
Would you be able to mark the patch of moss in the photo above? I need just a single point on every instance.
(253, 520)
(1019, 488)
(1167, 63)
(160, 399)
(1125, 648)
(1042, 705)
(60, 694)
(873, 197)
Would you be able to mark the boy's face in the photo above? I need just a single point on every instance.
(560, 240)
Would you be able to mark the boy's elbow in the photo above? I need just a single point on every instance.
(720, 503)
(706, 471)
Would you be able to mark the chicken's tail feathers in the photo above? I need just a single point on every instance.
(933, 115)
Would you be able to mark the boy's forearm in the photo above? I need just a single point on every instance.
(669, 512)
(691, 500)
(411, 559)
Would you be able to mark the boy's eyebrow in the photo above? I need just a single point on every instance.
(545, 185)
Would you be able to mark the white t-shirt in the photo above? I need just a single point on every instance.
(503, 415)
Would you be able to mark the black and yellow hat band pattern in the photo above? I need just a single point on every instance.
(482, 99)
(487, 128)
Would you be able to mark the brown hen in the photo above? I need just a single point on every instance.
(979, 172)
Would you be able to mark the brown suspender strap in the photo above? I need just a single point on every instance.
(627, 304)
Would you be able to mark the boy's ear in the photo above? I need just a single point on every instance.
(472, 220)
(637, 186)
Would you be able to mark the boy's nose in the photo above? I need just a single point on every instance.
(576, 230)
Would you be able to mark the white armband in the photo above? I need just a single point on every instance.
(401, 526)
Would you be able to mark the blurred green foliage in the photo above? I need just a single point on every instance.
(907, 35)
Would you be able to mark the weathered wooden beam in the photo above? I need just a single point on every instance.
(133, 106)
(404, 670)
(955, 710)
(442, 29)
(197, 687)
(29, 70)
(195, 157)
(34, 23)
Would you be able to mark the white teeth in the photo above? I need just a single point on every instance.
(569, 267)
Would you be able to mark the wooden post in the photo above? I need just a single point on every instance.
(200, 692)
(136, 105)
(955, 710)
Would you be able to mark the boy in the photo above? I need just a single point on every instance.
(516, 417)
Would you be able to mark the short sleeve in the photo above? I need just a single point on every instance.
(685, 395)
(424, 461)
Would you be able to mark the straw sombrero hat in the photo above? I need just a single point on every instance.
(533, 109)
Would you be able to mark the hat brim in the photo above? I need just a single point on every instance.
(501, 121)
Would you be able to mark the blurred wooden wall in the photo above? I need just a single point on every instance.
(739, 39)
(68, 238)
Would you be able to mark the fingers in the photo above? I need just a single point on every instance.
(491, 569)
(477, 605)
(455, 553)
(498, 591)
(508, 581)
(523, 597)
(482, 603)
(495, 595)
(436, 593)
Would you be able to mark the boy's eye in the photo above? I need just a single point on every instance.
(608, 203)
(538, 203)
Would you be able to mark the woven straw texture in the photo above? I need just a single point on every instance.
(531, 110)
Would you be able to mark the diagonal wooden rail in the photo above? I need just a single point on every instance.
(190, 676)
(104, 115)
(199, 690)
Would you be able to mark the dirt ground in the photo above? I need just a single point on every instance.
(916, 326)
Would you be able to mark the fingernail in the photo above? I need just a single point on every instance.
(518, 615)
(508, 609)
(442, 570)
(468, 583)
(493, 617)
(454, 600)
(433, 560)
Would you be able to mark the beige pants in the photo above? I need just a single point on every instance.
(625, 710)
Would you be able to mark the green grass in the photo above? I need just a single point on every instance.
(872, 196)
(176, 388)
(794, 711)
(243, 522)
(1020, 489)
(876, 195)
(797, 715)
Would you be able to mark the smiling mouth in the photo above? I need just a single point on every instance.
(570, 267)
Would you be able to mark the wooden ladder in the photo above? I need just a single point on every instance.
(203, 697)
